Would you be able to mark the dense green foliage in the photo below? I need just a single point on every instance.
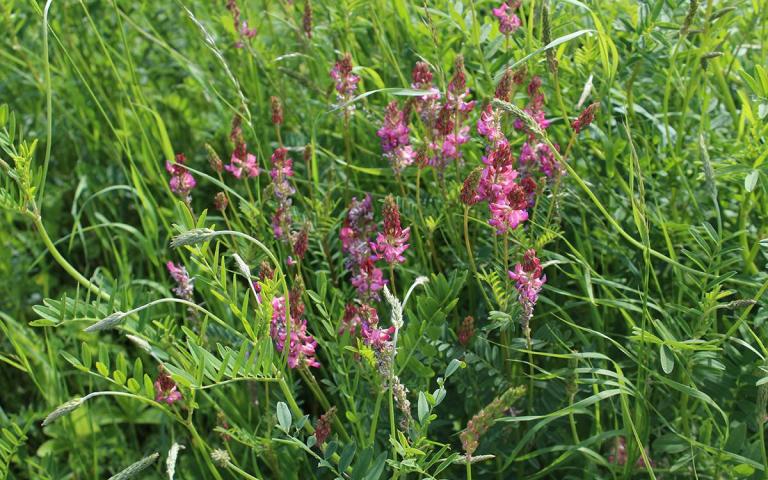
(646, 356)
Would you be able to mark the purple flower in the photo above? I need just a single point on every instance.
(507, 200)
(184, 285)
(242, 162)
(394, 131)
(357, 315)
(376, 337)
(529, 280)
(166, 389)
(182, 182)
(281, 221)
(489, 126)
(241, 26)
(427, 105)
(508, 21)
(281, 172)
(369, 279)
(346, 81)
(301, 345)
(394, 138)
(390, 245)
(453, 141)
(535, 107)
(539, 156)
(505, 216)
(358, 227)
(402, 157)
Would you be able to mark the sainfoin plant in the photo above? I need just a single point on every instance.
(366, 240)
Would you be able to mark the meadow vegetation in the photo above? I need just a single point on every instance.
(367, 239)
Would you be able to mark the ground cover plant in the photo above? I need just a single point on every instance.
(383, 239)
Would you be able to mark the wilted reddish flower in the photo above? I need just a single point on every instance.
(281, 221)
(482, 421)
(427, 105)
(182, 182)
(301, 241)
(586, 117)
(535, 107)
(220, 201)
(277, 110)
(356, 315)
(323, 426)
(466, 330)
(306, 20)
(214, 161)
(508, 21)
(469, 195)
(457, 88)
(165, 388)
(266, 271)
(390, 245)
(618, 454)
(505, 86)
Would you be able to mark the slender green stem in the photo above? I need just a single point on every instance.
(375, 419)
(48, 101)
(64, 263)
(392, 429)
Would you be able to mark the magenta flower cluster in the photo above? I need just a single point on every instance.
(529, 280)
(444, 122)
(509, 186)
(166, 389)
(242, 162)
(281, 173)
(427, 105)
(394, 139)
(362, 255)
(184, 285)
(358, 227)
(390, 244)
(244, 32)
(182, 182)
(345, 82)
(301, 345)
(508, 21)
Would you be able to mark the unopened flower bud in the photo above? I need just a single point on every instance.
(277, 110)
(214, 160)
(586, 117)
(220, 201)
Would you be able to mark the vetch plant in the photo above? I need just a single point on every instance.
(421, 240)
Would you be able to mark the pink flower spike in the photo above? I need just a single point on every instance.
(390, 245)
(242, 162)
(166, 389)
(182, 182)
(508, 21)
(529, 280)
(184, 284)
